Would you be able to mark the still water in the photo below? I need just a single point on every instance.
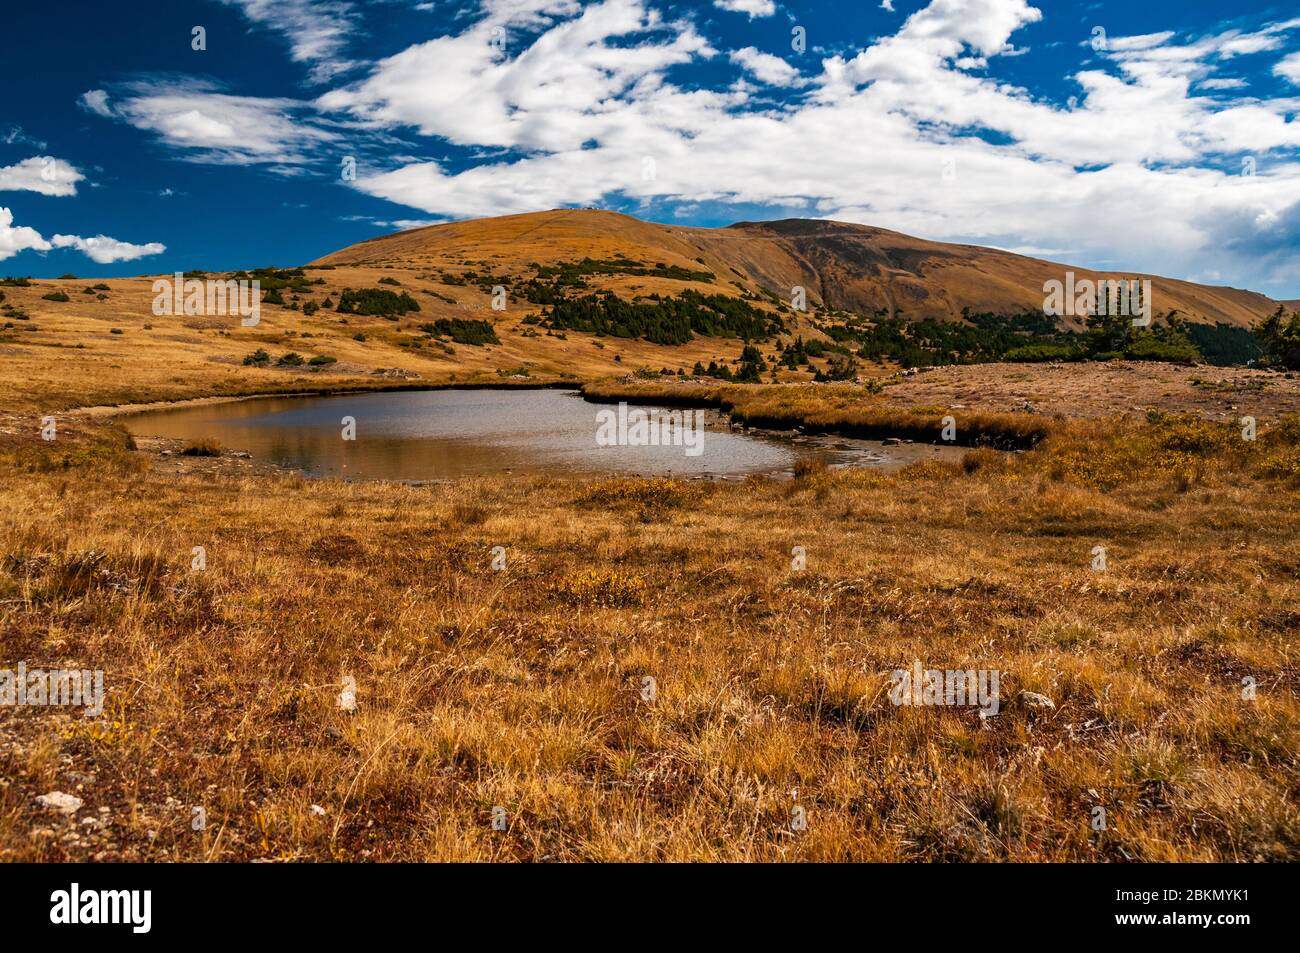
(443, 434)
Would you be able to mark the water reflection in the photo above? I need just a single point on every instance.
(442, 434)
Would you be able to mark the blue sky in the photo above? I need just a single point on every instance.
(1158, 137)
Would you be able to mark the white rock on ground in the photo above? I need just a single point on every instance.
(58, 801)
(1035, 700)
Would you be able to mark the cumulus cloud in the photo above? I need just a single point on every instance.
(14, 239)
(1289, 68)
(43, 174)
(101, 248)
(105, 250)
(766, 68)
(754, 8)
(571, 85)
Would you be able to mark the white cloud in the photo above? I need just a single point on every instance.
(101, 248)
(1222, 83)
(317, 30)
(44, 174)
(16, 239)
(887, 5)
(754, 8)
(571, 85)
(211, 126)
(405, 224)
(105, 250)
(96, 101)
(869, 142)
(15, 135)
(1289, 68)
(766, 68)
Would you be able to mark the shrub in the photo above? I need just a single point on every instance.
(320, 360)
(292, 359)
(663, 321)
(390, 281)
(310, 308)
(114, 330)
(55, 296)
(1152, 348)
(462, 331)
(258, 358)
(376, 301)
(1030, 353)
(1279, 336)
(204, 447)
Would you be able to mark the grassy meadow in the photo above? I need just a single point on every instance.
(521, 694)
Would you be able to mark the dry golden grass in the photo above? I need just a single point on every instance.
(524, 688)
(66, 355)
(836, 408)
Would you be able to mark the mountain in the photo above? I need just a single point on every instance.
(842, 266)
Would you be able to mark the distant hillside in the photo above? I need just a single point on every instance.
(856, 268)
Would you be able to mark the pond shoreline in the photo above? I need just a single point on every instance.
(116, 410)
(1000, 431)
(466, 435)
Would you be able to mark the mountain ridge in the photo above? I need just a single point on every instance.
(843, 266)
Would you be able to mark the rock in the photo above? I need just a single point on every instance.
(347, 700)
(318, 810)
(1035, 700)
(890, 442)
(58, 801)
